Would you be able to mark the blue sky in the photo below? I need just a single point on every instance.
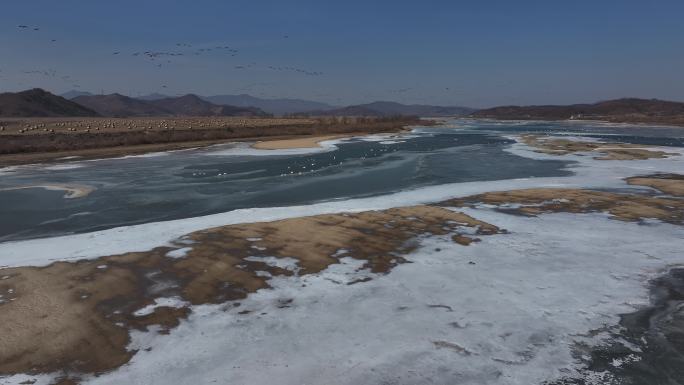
(475, 53)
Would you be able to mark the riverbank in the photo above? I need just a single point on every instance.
(26, 141)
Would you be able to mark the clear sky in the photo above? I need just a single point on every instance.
(473, 53)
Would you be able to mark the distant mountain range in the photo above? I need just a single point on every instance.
(618, 110)
(396, 109)
(281, 106)
(285, 106)
(39, 103)
(118, 105)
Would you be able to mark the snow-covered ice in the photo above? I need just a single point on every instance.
(512, 317)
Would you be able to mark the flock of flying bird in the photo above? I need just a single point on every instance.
(156, 56)
(161, 58)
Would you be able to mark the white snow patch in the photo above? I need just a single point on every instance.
(389, 137)
(286, 263)
(159, 302)
(246, 149)
(619, 362)
(340, 253)
(179, 253)
(184, 241)
(65, 166)
(17, 379)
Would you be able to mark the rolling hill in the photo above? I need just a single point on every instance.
(618, 110)
(39, 103)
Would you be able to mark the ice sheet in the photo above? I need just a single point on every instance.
(589, 173)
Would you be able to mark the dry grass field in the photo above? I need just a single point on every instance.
(42, 126)
(27, 140)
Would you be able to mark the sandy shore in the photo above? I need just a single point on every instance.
(305, 142)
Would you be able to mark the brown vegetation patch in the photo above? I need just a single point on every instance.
(608, 151)
(464, 240)
(626, 207)
(672, 184)
(59, 137)
(50, 322)
(74, 317)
